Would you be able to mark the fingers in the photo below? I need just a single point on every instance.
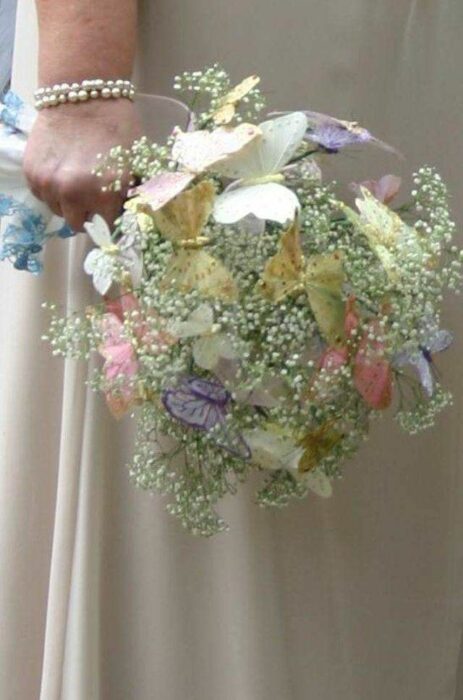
(74, 197)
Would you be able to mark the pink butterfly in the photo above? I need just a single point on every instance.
(372, 371)
(384, 189)
(196, 152)
(121, 364)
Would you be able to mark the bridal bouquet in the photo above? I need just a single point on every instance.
(250, 320)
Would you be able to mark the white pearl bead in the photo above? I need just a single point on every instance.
(64, 86)
(75, 86)
(53, 100)
(110, 83)
(94, 94)
(83, 95)
(62, 98)
(116, 92)
(106, 92)
(125, 92)
(99, 82)
(85, 83)
(73, 96)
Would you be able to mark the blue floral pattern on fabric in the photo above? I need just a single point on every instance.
(27, 230)
(11, 108)
(23, 240)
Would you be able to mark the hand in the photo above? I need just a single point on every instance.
(61, 153)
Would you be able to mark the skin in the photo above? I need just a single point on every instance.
(81, 39)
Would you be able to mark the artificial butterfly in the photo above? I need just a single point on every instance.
(320, 277)
(121, 364)
(317, 444)
(432, 341)
(390, 238)
(203, 404)
(334, 134)
(372, 371)
(102, 261)
(384, 189)
(209, 345)
(227, 106)
(182, 221)
(258, 189)
(272, 449)
(196, 152)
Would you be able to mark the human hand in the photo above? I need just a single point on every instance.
(61, 153)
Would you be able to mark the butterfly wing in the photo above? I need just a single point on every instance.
(269, 201)
(279, 141)
(372, 371)
(382, 241)
(271, 450)
(226, 111)
(318, 444)
(319, 483)
(440, 341)
(196, 269)
(200, 321)
(158, 191)
(99, 231)
(192, 409)
(206, 351)
(101, 267)
(212, 390)
(198, 151)
(231, 440)
(324, 279)
(185, 216)
(283, 273)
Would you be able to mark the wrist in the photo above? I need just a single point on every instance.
(92, 109)
(83, 91)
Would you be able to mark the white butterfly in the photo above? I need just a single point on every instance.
(273, 450)
(103, 262)
(196, 152)
(210, 345)
(259, 187)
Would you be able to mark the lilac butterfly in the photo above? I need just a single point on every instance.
(421, 359)
(334, 134)
(203, 404)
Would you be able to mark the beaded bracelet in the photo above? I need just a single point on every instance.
(81, 92)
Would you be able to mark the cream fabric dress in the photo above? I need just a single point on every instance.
(102, 595)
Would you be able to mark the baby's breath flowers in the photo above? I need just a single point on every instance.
(260, 346)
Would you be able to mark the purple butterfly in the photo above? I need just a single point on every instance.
(203, 404)
(333, 134)
(421, 359)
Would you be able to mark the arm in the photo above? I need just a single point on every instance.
(81, 39)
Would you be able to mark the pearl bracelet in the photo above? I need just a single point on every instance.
(81, 92)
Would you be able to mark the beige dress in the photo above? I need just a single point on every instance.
(102, 595)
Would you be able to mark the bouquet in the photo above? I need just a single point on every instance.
(250, 320)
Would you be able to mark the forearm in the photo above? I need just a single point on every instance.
(80, 39)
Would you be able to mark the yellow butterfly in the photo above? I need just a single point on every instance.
(227, 107)
(182, 221)
(320, 277)
(390, 238)
(317, 444)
